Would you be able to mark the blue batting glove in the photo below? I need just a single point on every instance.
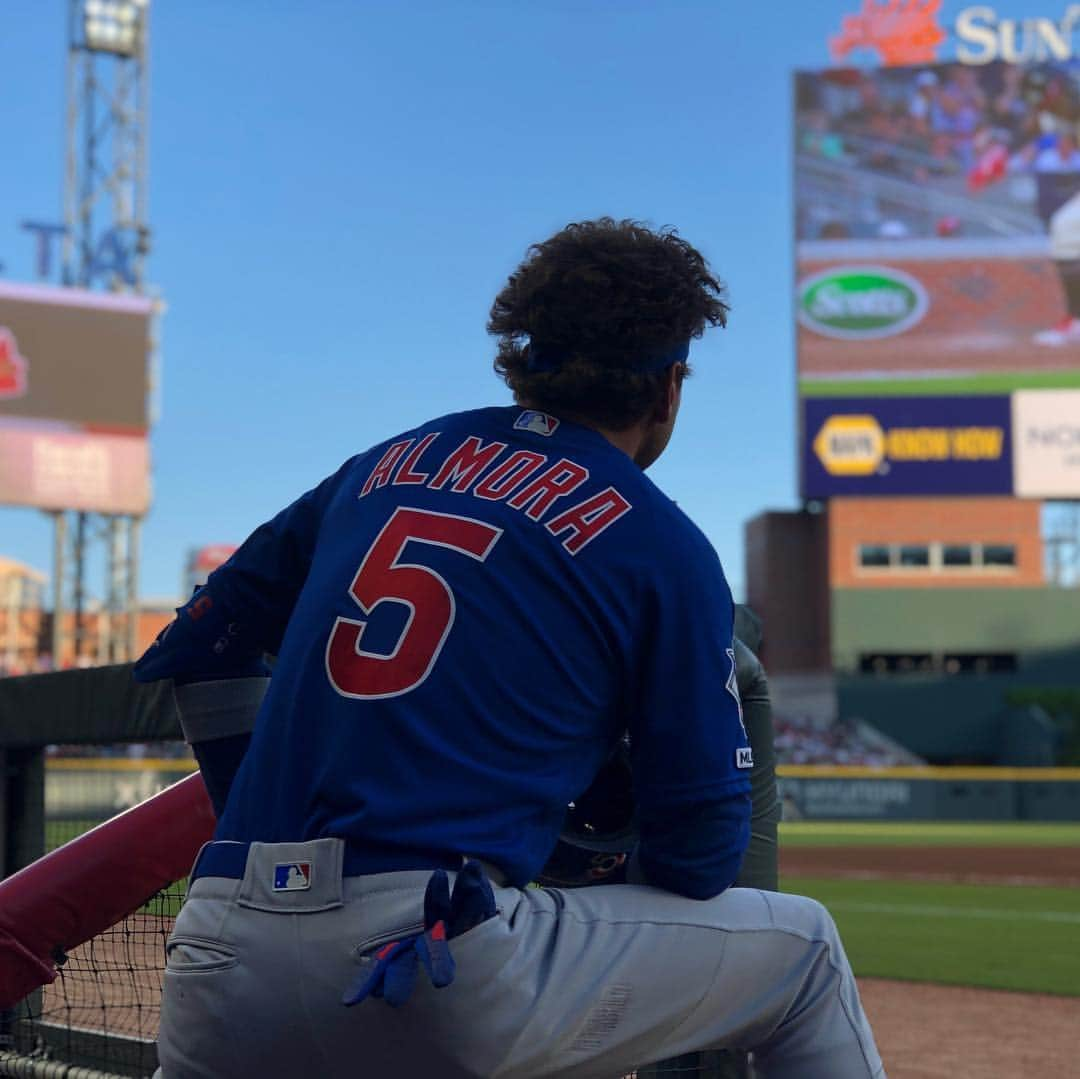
(446, 916)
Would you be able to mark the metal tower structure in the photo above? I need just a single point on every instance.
(105, 246)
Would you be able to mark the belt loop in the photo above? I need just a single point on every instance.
(194, 874)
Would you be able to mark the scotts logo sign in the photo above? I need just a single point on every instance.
(861, 302)
(909, 32)
(858, 445)
(13, 367)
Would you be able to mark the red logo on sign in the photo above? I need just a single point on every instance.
(13, 367)
(899, 31)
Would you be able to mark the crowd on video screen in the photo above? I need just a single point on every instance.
(1004, 134)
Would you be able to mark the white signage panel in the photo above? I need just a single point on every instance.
(1046, 443)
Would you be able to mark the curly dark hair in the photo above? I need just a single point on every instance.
(601, 294)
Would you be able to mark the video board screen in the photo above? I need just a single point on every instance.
(74, 387)
(937, 212)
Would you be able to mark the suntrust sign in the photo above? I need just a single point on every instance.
(982, 37)
(910, 32)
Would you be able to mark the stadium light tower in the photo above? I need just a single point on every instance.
(106, 244)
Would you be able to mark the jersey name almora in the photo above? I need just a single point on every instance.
(524, 479)
(466, 619)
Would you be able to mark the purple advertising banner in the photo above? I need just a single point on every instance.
(906, 446)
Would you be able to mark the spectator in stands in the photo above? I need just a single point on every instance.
(958, 110)
(817, 139)
(800, 740)
(921, 103)
(1009, 110)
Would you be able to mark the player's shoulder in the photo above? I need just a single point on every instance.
(682, 536)
(672, 551)
(484, 422)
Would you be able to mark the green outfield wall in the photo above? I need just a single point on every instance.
(91, 789)
(821, 792)
(962, 718)
(96, 788)
(1031, 622)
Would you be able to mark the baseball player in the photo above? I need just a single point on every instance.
(467, 618)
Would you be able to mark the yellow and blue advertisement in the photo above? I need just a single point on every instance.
(907, 446)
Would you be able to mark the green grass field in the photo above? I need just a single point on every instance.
(1021, 938)
(1024, 939)
(928, 833)
(991, 383)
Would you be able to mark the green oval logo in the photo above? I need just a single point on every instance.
(861, 302)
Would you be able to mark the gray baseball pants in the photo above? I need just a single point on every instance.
(574, 983)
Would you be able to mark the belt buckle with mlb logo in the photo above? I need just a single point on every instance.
(292, 876)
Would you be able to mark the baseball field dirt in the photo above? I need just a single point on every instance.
(1043, 865)
(950, 1032)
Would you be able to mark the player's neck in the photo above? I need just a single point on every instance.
(629, 441)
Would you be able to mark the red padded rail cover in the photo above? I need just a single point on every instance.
(96, 880)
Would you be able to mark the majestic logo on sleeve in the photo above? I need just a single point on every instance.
(743, 755)
(539, 423)
(13, 367)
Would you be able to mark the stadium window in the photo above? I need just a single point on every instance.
(873, 556)
(968, 663)
(915, 556)
(882, 663)
(999, 555)
(954, 555)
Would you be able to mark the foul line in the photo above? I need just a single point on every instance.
(925, 910)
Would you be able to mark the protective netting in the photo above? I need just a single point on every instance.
(100, 1016)
(102, 1010)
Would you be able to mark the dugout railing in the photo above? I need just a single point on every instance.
(98, 1020)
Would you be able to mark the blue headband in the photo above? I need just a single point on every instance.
(551, 359)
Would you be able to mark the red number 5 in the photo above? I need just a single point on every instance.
(382, 577)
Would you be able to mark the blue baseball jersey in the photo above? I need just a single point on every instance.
(466, 619)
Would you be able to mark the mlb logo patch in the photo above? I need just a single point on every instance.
(292, 876)
(540, 423)
(744, 757)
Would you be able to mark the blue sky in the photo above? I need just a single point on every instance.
(338, 189)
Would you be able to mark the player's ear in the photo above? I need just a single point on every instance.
(667, 401)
